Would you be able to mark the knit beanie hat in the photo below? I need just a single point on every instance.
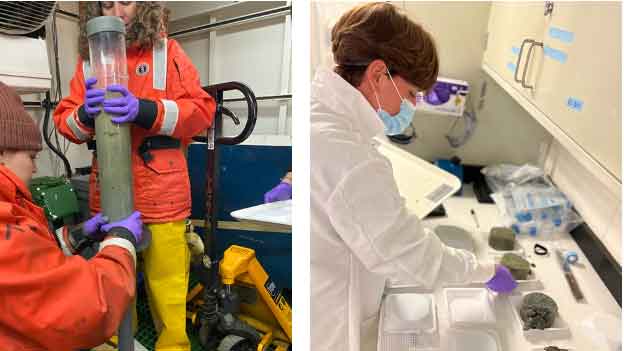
(18, 131)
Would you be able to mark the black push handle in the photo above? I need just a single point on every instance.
(216, 91)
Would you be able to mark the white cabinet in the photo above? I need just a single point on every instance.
(568, 76)
(579, 85)
(510, 24)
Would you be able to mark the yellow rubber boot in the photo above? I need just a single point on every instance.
(166, 274)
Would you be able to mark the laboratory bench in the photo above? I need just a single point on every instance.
(547, 270)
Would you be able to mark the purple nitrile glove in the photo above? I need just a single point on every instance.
(126, 107)
(93, 224)
(283, 191)
(502, 281)
(132, 223)
(93, 98)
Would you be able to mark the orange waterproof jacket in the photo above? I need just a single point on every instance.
(49, 301)
(171, 103)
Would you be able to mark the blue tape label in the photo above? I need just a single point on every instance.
(555, 54)
(575, 104)
(515, 50)
(563, 35)
(511, 67)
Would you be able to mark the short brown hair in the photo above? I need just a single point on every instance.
(380, 31)
(147, 29)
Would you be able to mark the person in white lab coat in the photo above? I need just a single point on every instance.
(361, 231)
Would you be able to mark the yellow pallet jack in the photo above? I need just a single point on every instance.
(236, 307)
(246, 312)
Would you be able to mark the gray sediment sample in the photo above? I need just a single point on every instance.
(538, 311)
(455, 237)
(502, 238)
(518, 266)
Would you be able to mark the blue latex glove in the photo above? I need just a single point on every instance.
(283, 191)
(502, 281)
(92, 226)
(126, 107)
(93, 98)
(132, 223)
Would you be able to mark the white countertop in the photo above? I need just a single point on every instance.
(547, 269)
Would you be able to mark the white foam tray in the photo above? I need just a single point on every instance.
(465, 339)
(478, 298)
(560, 329)
(403, 328)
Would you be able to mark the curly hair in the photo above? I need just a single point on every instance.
(146, 30)
(381, 31)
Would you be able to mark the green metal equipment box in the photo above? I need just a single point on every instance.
(57, 197)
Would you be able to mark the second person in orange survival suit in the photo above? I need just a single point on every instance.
(166, 106)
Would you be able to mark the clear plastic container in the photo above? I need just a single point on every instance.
(559, 330)
(530, 198)
(107, 51)
(394, 285)
(408, 322)
(529, 228)
(468, 307)
(473, 340)
(544, 227)
(538, 211)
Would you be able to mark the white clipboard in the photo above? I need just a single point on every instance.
(277, 213)
(423, 185)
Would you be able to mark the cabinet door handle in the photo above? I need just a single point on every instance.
(526, 63)
(520, 58)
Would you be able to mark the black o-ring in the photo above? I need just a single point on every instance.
(540, 250)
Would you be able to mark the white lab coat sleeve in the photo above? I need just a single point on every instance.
(370, 216)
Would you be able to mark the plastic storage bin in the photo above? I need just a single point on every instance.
(559, 330)
(469, 307)
(405, 286)
(473, 340)
(538, 210)
(408, 322)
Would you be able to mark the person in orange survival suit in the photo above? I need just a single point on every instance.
(51, 299)
(166, 106)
